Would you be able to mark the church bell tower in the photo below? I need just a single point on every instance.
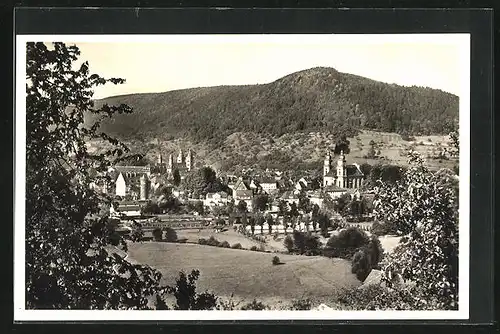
(341, 171)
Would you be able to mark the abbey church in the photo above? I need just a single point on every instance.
(341, 175)
(184, 163)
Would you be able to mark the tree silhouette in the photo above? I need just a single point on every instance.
(67, 264)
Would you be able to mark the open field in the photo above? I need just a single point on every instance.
(393, 148)
(248, 274)
(230, 236)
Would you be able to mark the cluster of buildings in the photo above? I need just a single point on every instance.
(137, 183)
(338, 178)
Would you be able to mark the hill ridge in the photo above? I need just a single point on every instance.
(315, 99)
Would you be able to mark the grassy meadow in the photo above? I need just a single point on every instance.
(249, 274)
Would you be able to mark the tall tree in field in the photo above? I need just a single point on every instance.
(261, 220)
(270, 222)
(243, 210)
(67, 266)
(424, 208)
(342, 145)
(177, 177)
(261, 202)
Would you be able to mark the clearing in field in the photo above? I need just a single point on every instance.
(249, 274)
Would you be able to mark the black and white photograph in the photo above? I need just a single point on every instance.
(201, 177)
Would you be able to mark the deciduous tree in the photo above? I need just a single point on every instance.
(423, 208)
(67, 264)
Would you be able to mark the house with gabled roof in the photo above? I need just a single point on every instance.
(269, 185)
(216, 199)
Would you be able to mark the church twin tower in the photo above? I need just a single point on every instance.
(182, 162)
(337, 177)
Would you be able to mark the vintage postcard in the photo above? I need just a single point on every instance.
(237, 177)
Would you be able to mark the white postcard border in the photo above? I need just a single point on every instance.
(21, 314)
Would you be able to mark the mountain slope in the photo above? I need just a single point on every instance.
(318, 99)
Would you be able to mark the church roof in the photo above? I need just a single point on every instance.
(243, 194)
(268, 180)
(332, 173)
(289, 195)
(333, 188)
(222, 194)
(132, 169)
(354, 170)
(241, 185)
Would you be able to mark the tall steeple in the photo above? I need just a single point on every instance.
(341, 171)
(327, 164)
(180, 157)
(189, 160)
(160, 159)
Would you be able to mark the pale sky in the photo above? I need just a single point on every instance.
(163, 63)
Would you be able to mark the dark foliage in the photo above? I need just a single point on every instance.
(378, 297)
(254, 305)
(157, 234)
(236, 246)
(288, 242)
(301, 305)
(276, 260)
(170, 235)
(67, 265)
(346, 243)
(304, 243)
(186, 296)
(380, 229)
(361, 264)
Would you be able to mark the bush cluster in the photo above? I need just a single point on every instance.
(236, 246)
(276, 260)
(378, 297)
(255, 305)
(301, 305)
(381, 229)
(354, 244)
(216, 243)
(302, 243)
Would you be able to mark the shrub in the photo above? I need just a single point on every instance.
(378, 297)
(187, 298)
(380, 229)
(262, 248)
(236, 246)
(276, 260)
(225, 244)
(254, 248)
(346, 243)
(374, 250)
(288, 242)
(212, 241)
(301, 305)
(137, 234)
(361, 264)
(157, 234)
(170, 235)
(254, 305)
(202, 241)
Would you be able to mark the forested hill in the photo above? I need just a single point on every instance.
(317, 99)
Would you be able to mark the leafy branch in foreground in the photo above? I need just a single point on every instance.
(67, 264)
(423, 207)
